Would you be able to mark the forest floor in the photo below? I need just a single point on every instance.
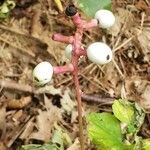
(31, 114)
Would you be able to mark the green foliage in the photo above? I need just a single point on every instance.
(90, 7)
(146, 144)
(58, 138)
(118, 131)
(40, 147)
(103, 129)
(6, 7)
(129, 113)
(123, 111)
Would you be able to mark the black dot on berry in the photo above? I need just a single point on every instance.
(71, 10)
(108, 57)
(36, 79)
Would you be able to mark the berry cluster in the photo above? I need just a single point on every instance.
(98, 52)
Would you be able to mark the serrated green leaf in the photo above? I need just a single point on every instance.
(104, 131)
(124, 111)
(91, 6)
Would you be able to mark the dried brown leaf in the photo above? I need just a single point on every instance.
(135, 87)
(144, 43)
(19, 104)
(45, 122)
(141, 5)
(124, 18)
(28, 130)
(68, 105)
(49, 90)
(75, 145)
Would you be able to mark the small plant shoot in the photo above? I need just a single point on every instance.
(119, 130)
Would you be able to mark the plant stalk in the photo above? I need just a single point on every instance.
(79, 107)
(74, 61)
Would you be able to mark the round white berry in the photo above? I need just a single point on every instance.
(43, 72)
(105, 18)
(99, 53)
(68, 51)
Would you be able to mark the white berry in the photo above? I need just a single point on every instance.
(105, 18)
(68, 51)
(99, 53)
(43, 72)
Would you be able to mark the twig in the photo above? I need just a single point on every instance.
(96, 99)
(16, 86)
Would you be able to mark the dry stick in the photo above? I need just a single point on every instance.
(97, 99)
(27, 88)
(16, 86)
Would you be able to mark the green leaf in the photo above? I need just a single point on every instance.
(39, 147)
(139, 116)
(124, 111)
(58, 138)
(5, 8)
(104, 131)
(130, 113)
(146, 144)
(91, 6)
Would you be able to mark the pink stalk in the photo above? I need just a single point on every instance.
(62, 38)
(63, 69)
(82, 52)
(74, 61)
(78, 51)
(91, 24)
(76, 19)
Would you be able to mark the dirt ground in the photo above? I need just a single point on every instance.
(29, 114)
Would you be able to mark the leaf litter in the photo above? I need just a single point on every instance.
(26, 41)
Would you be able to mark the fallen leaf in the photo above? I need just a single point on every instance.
(68, 105)
(45, 122)
(141, 5)
(123, 18)
(144, 42)
(49, 89)
(19, 104)
(75, 145)
(134, 87)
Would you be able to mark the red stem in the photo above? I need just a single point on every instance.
(74, 61)
(82, 52)
(62, 38)
(77, 19)
(73, 67)
(63, 69)
(91, 24)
